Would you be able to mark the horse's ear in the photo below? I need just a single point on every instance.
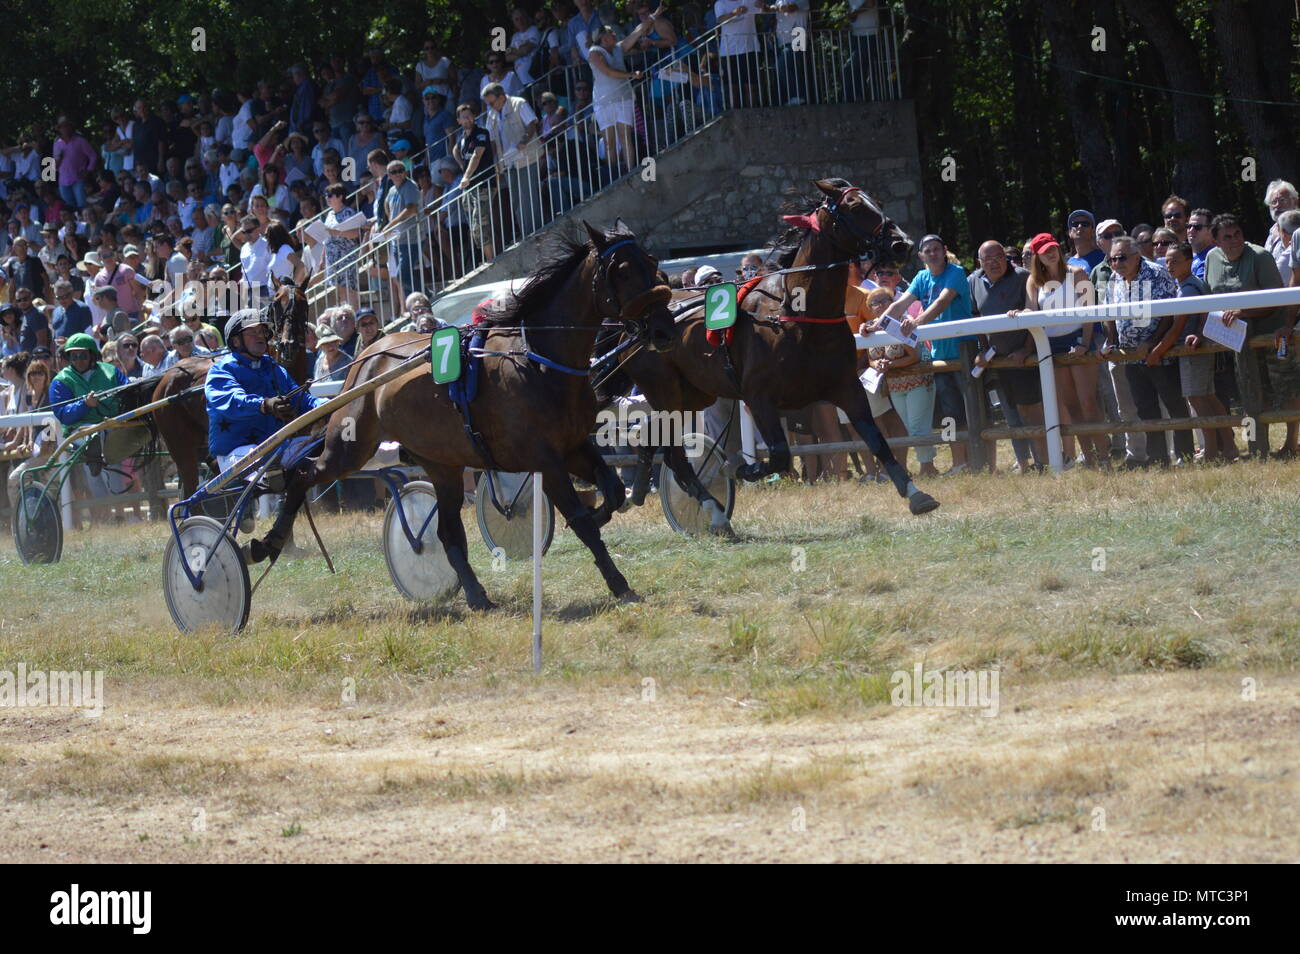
(826, 187)
(621, 227)
(597, 236)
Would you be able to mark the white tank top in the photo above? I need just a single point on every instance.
(1053, 297)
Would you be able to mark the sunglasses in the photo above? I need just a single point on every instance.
(1112, 235)
(1080, 224)
(1175, 215)
(1195, 226)
(1116, 259)
(1163, 243)
(78, 355)
(126, 346)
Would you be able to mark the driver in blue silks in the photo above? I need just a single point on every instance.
(249, 396)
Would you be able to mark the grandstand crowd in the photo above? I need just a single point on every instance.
(114, 227)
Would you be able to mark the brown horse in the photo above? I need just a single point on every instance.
(791, 348)
(534, 411)
(183, 424)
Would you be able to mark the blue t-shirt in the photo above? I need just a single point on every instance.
(926, 288)
(1088, 262)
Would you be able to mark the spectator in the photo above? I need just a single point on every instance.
(332, 362)
(286, 255)
(1083, 235)
(906, 401)
(254, 257)
(152, 352)
(402, 229)
(298, 163)
(303, 108)
(1163, 239)
(1196, 371)
(1053, 285)
(26, 271)
(582, 26)
(344, 323)
(738, 48)
(500, 74)
(522, 52)
(864, 30)
(707, 275)
(1200, 238)
(345, 227)
(75, 158)
(30, 446)
(792, 70)
(438, 124)
(128, 357)
(34, 328)
(614, 107)
(368, 329)
(1236, 265)
(474, 153)
(10, 325)
(340, 99)
(1175, 211)
(1151, 378)
(70, 316)
(1112, 388)
(1280, 197)
(148, 140)
(436, 72)
(998, 288)
(363, 142)
(183, 346)
(399, 114)
(944, 295)
(1142, 235)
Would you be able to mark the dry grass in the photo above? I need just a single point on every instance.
(744, 695)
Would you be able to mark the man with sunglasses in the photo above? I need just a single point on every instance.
(1083, 236)
(1175, 210)
(70, 316)
(1150, 378)
(34, 331)
(1200, 238)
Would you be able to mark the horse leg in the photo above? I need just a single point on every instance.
(855, 405)
(447, 483)
(559, 489)
(588, 464)
(768, 421)
(645, 456)
(675, 455)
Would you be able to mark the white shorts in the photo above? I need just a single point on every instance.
(227, 461)
(610, 113)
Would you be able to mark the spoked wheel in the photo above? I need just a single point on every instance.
(38, 531)
(684, 513)
(224, 595)
(511, 532)
(426, 575)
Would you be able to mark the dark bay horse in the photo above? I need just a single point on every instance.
(534, 412)
(183, 425)
(791, 348)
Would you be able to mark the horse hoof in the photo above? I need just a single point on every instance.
(481, 603)
(722, 530)
(629, 596)
(921, 502)
(254, 551)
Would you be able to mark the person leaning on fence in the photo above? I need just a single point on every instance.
(1196, 371)
(888, 404)
(1152, 378)
(31, 446)
(1054, 285)
(1236, 266)
(944, 295)
(996, 289)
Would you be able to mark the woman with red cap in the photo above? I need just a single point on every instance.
(1053, 285)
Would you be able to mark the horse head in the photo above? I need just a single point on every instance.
(628, 288)
(287, 315)
(858, 225)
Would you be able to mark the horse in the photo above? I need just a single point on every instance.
(791, 348)
(534, 411)
(183, 424)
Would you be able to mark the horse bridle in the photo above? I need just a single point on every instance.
(631, 313)
(874, 242)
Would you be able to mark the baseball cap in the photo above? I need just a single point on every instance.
(1092, 219)
(129, 250)
(434, 91)
(1041, 242)
(932, 237)
(402, 144)
(1107, 223)
(704, 272)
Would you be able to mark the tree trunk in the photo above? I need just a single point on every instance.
(1267, 128)
(1195, 174)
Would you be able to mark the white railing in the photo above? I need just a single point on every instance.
(684, 90)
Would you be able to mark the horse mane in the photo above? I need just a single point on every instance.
(566, 252)
(786, 244)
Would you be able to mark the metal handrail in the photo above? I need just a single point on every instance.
(666, 111)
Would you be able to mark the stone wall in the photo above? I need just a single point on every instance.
(723, 186)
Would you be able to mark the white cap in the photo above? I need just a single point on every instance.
(705, 272)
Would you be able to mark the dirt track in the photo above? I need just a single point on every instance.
(1182, 768)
